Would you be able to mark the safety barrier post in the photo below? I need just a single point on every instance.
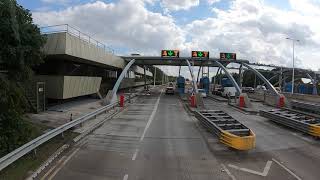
(193, 101)
(121, 100)
(241, 102)
(281, 101)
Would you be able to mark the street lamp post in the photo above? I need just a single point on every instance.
(293, 43)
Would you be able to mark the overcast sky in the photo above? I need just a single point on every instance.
(254, 29)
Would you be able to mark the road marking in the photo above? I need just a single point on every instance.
(301, 137)
(228, 172)
(264, 173)
(135, 155)
(63, 164)
(151, 117)
(284, 167)
(125, 177)
(51, 169)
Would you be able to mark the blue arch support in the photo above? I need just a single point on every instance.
(265, 80)
(233, 81)
(112, 95)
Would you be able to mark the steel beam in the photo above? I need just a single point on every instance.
(233, 81)
(270, 86)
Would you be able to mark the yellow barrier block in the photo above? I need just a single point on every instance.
(314, 130)
(238, 142)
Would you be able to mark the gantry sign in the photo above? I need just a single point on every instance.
(170, 53)
(200, 54)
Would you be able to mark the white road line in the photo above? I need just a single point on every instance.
(63, 164)
(228, 172)
(301, 137)
(125, 177)
(135, 155)
(264, 173)
(151, 117)
(289, 171)
(59, 161)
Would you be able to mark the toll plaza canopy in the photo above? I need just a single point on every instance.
(179, 61)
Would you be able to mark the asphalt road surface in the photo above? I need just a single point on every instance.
(155, 138)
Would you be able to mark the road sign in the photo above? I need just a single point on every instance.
(228, 56)
(170, 53)
(200, 54)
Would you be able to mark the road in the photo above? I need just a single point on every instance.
(292, 154)
(157, 138)
(154, 138)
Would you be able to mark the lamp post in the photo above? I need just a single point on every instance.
(293, 43)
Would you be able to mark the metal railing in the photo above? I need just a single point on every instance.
(32, 145)
(74, 32)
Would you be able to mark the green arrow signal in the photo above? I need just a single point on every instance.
(200, 54)
(228, 56)
(170, 53)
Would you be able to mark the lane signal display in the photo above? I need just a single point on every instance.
(170, 53)
(200, 54)
(228, 56)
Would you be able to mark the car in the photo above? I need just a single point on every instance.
(202, 92)
(247, 89)
(217, 89)
(229, 91)
(170, 89)
(261, 87)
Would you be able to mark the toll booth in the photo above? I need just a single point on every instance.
(181, 84)
(205, 84)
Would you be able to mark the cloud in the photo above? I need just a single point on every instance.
(257, 32)
(252, 29)
(126, 23)
(176, 5)
(211, 2)
(64, 2)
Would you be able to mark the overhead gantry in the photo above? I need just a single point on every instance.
(210, 62)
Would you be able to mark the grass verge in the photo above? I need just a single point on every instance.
(25, 166)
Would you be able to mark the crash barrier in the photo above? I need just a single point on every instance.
(230, 131)
(306, 106)
(32, 145)
(302, 122)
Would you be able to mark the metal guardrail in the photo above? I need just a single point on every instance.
(230, 131)
(299, 121)
(74, 32)
(32, 145)
(306, 106)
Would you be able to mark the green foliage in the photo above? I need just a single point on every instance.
(20, 50)
(20, 40)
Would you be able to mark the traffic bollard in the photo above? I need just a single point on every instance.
(121, 100)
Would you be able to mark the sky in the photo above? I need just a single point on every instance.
(254, 29)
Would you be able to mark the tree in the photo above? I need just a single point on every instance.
(20, 41)
(20, 50)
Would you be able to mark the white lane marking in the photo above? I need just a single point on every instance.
(288, 170)
(59, 161)
(301, 137)
(125, 177)
(151, 117)
(63, 164)
(135, 155)
(228, 172)
(264, 173)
